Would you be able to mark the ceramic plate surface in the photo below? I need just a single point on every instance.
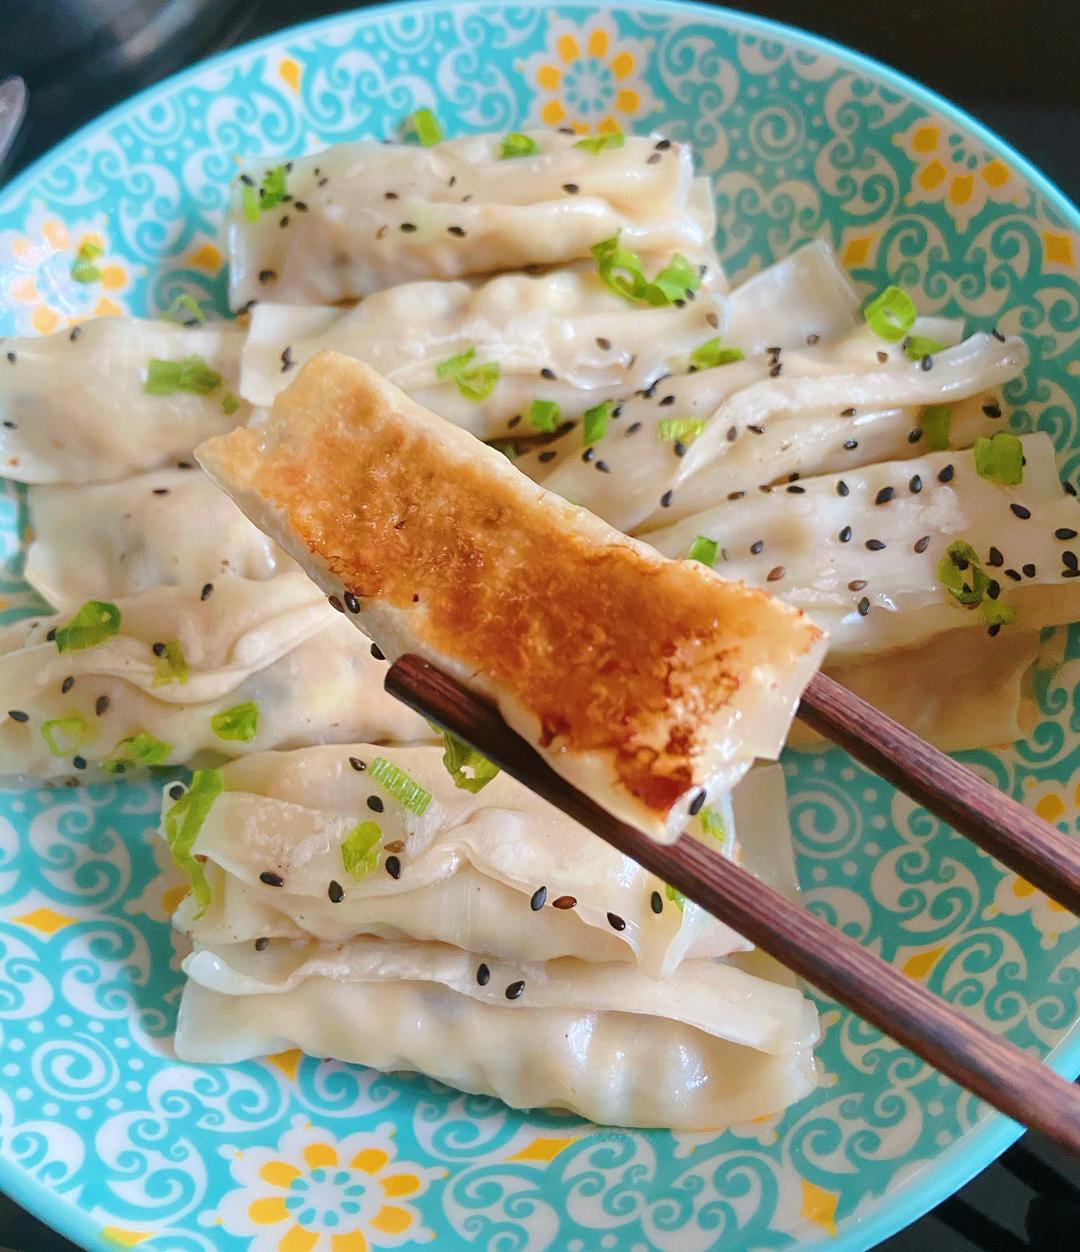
(102, 1132)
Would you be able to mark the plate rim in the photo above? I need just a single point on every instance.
(952, 1169)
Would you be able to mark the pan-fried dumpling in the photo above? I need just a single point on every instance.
(496, 870)
(113, 396)
(650, 684)
(167, 527)
(375, 215)
(709, 1046)
(182, 673)
(892, 554)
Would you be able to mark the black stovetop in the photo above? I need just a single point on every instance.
(1012, 64)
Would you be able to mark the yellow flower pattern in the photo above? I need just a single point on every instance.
(952, 171)
(589, 78)
(316, 1193)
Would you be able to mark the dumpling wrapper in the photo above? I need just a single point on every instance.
(167, 527)
(707, 1047)
(472, 213)
(276, 644)
(642, 681)
(470, 865)
(78, 406)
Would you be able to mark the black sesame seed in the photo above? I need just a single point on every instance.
(845, 535)
(678, 448)
(927, 363)
(247, 180)
(336, 892)
(998, 335)
(847, 412)
(10, 424)
(564, 902)
(882, 357)
(79, 762)
(992, 410)
(287, 361)
(1013, 574)
(550, 455)
(775, 574)
(375, 804)
(67, 685)
(994, 557)
(161, 491)
(1068, 559)
(616, 922)
(207, 591)
(993, 629)
(76, 331)
(271, 879)
(571, 189)
(51, 636)
(662, 145)
(922, 544)
(946, 475)
(300, 206)
(914, 435)
(915, 484)
(758, 430)
(850, 445)
(1070, 572)
(735, 495)
(1069, 488)
(176, 791)
(812, 339)
(158, 649)
(513, 992)
(11, 358)
(352, 603)
(393, 867)
(483, 974)
(267, 276)
(842, 488)
(1064, 532)
(795, 489)
(335, 603)
(538, 899)
(101, 705)
(884, 495)
(588, 455)
(284, 221)
(697, 803)
(1020, 511)
(732, 434)
(603, 467)
(776, 370)
(875, 545)
(1028, 570)
(547, 373)
(666, 400)
(993, 588)
(262, 944)
(390, 195)
(666, 499)
(357, 764)
(377, 652)
(656, 902)
(457, 231)
(757, 547)
(407, 228)
(857, 584)
(863, 606)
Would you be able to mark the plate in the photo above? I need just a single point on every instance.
(103, 1132)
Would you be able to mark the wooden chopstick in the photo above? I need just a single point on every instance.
(986, 1064)
(996, 822)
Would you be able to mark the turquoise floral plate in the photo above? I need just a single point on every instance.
(102, 1132)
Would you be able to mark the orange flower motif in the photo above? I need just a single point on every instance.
(589, 78)
(37, 265)
(952, 171)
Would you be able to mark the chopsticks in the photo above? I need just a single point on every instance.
(986, 1064)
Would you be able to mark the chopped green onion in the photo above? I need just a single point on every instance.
(249, 200)
(961, 574)
(713, 825)
(508, 450)
(425, 126)
(240, 723)
(171, 667)
(229, 404)
(595, 422)
(360, 851)
(918, 346)
(891, 314)
(711, 353)
(95, 622)
(673, 282)
(517, 145)
(1000, 459)
(703, 550)
(677, 897)
(404, 789)
(83, 269)
(479, 382)
(680, 429)
(186, 310)
(998, 613)
(138, 749)
(620, 269)
(272, 191)
(453, 365)
(165, 378)
(182, 824)
(598, 143)
(544, 415)
(935, 426)
(469, 770)
(65, 735)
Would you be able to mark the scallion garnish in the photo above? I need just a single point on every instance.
(594, 422)
(360, 851)
(918, 346)
(703, 550)
(673, 282)
(675, 896)
(95, 622)
(620, 269)
(185, 310)
(475, 382)
(960, 572)
(1000, 459)
(229, 404)
(65, 735)
(599, 143)
(165, 378)
(712, 353)
(680, 429)
(172, 666)
(713, 825)
(425, 126)
(182, 824)
(453, 365)
(544, 415)
(240, 723)
(518, 145)
(891, 314)
(469, 770)
(404, 789)
(83, 269)
(935, 426)
(270, 194)
(998, 613)
(137, 749)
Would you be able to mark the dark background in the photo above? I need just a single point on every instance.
(1013, 64)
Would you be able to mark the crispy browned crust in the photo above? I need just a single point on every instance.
(615, 649)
